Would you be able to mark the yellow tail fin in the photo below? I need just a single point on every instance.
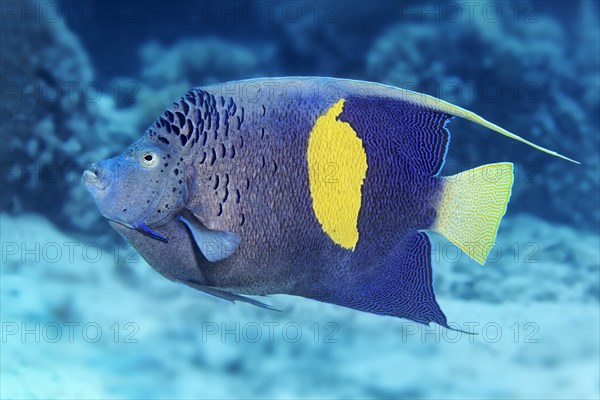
(471, 206)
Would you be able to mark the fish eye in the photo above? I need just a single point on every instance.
(149, 159)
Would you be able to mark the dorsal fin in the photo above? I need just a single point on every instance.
(445, 107)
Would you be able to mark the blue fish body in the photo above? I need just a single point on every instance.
(314, 187)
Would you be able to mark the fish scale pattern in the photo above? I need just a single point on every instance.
(419, 132)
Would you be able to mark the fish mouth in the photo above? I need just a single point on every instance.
(92, 178)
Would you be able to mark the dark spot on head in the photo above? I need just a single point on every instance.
(180, 118)
(175, 129)
(183, 139)
(166, 164)
(185, 106)
(170, 116)
(163, 139)
(176, 171)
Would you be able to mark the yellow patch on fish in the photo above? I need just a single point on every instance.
(337, 166)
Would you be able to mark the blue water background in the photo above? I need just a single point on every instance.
(83, 316)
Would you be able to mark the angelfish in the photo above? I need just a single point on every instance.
(314, 187)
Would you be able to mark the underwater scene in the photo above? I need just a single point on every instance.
(165, 236)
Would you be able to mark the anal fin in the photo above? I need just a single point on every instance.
(401, 285)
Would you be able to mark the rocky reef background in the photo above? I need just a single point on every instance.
(525, 66)
(80, 81)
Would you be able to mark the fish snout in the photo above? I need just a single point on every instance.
(92, 177)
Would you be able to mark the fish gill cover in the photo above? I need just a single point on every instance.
(82, 81)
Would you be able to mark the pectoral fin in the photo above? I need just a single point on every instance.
(225, 295)
(215, 245)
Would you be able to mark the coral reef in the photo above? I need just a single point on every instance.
(53, 120)
(168, 72)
